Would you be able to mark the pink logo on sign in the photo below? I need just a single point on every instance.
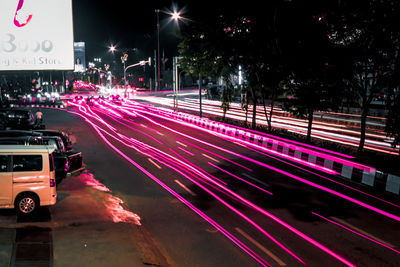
(20, 19)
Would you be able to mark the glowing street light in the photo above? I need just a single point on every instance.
(112, 48)
(176, 16)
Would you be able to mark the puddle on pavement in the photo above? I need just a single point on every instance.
(114, 205)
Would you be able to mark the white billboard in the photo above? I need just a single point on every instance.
(36, 35)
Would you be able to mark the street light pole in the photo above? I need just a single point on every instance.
(141, 63)
(158, 50)
(124, 58)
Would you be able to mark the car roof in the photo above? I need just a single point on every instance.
(19, 132)
(26, 149)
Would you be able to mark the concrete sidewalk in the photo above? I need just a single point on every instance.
(89, 226)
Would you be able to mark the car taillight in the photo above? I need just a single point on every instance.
(52, 182)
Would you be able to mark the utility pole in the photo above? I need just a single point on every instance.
(155, 71)
(158, 49)
(175, 82)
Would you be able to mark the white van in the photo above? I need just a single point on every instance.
(27, 177)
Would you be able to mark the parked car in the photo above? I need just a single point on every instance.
(17, 133)
(61, 160)
(18, 119)
(64, 136)
(75, 159)
(22, 169)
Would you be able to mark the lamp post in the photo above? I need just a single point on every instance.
(141, 63)
(124, 58)
(176, 16)
(158, 50)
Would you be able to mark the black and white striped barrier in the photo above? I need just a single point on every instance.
(333, 164)
(55, 105)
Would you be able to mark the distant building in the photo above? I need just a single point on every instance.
(80, 57)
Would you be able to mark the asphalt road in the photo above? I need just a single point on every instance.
(191, 198)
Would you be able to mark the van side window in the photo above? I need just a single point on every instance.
(24, 163)
(3, 163)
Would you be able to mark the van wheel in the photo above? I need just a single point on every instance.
(27, 204)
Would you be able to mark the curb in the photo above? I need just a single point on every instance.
(331, 164)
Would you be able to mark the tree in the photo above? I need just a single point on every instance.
(196, 51)
(369, 35)
(307, 54)
(393, 117)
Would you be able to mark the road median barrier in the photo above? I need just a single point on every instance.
(324, 160)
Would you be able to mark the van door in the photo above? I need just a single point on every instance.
(6, 180)
(27, 172)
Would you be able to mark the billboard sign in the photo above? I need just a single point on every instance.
(36, 35)
(80, 57)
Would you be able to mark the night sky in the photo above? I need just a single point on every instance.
(131, 24)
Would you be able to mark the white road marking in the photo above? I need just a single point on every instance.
(155, 164)
(184, 187)
(209, 157)
(182, 144)
(269, 253)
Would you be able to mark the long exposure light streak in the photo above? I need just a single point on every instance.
(355, 201)
(321, 130)
(324, 177)
(297, 232)
(307, 151)
(187, 203)
(262, 230)
(241, 179)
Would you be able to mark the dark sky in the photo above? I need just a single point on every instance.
(130, 24)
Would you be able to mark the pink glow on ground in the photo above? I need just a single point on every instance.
(89, 180)
(118, 213)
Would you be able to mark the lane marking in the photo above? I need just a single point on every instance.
(143, 125)
(182, 144)
(209, 157)
(254, 179)
(269, 253)
(184, 187)
(158, 166)
(184, 150)
(160, 133)
(362, 231)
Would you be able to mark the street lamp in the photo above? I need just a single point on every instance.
(124, 58)
(158, 50)
(175, 15)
